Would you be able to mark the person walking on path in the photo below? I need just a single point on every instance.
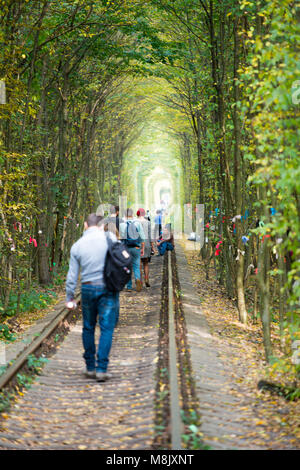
(158, 222)
(88, 257)
(148, 244)
(113, 219)
(132, 234)
(165, 242)
(112, 226)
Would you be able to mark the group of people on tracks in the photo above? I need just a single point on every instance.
(108, 253)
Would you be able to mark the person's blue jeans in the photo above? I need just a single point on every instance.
(165, 246)
(98, 302)
(136, 264)
(117, 306)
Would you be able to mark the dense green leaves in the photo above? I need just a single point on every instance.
(99, 92)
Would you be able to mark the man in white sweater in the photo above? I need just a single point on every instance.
(88, 257)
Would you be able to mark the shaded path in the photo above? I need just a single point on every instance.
(65, 410)
(230, 412)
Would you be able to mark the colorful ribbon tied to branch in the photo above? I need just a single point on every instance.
(12, 248)
(239, 253)
(18, 226)
(245, 217)
(236, 217)
(33, 240)
(218, 250)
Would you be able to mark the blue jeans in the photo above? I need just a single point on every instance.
(117, 294)
(136, 264)
(165, 246)
(97, 301)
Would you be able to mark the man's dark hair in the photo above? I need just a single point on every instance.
(93, 220)
(129, 212)
(117, 208)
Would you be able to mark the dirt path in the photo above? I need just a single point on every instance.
(65, 410)
(227, 360)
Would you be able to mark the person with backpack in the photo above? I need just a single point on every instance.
(149, 244)
(132, 235)
(88, 256)
(118, 263)
(113, 219)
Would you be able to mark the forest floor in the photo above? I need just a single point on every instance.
(63, 409)
(19, 323)
(276, 421)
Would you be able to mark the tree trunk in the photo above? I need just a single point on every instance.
(282, 297)
(41, 181)
(238, 184)
(264, 286)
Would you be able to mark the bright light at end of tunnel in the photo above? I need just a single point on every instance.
(158, 188)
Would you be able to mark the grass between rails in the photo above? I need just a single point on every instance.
(275, 421)
(191, 437)
(162, 392)
(190, 415)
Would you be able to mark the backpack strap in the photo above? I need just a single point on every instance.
(127, 228)
(110, 242)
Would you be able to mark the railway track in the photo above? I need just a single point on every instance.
(150, 402)
(177, 407)
(33, 348)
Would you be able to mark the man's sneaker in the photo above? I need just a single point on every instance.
(147, 284)
(102, 376)
(139, 285)
(90, 373)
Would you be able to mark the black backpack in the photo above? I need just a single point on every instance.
(118, 266)
(133, 238)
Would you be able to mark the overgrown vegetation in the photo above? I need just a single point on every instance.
(235, 99)
(85, 79)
